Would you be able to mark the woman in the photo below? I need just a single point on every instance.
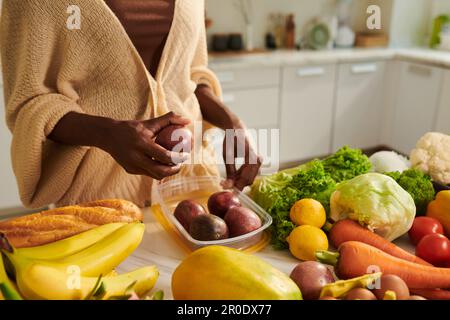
(85, 104)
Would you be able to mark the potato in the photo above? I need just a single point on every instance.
(220, 202)
(175, 136)
(311, 277)
(241, 221)
(393, 283)
(328, 298)
(186, 211)
(416, 298)
(360, 294)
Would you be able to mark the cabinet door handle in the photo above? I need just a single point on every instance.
(420, 70)
(228, 98)
(310, 71)
(364, 68)
(225, 77)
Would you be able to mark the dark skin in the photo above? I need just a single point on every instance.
(131, 143)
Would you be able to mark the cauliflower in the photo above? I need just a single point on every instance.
(432, 156)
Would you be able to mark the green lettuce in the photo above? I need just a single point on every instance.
(317, 180)
(346, 164)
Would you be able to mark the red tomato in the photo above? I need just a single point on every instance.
(435, 249)
(423, 226)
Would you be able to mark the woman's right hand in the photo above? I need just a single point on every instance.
(132, 144)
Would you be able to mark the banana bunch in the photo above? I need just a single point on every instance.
(79, 267)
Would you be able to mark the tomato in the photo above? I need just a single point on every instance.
(423, 226)
(435, 249)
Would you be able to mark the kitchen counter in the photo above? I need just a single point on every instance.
(287, 57)
(158, 248)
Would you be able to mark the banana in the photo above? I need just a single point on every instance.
(6, 283)
(69, 246)
(41, 281)
(113, 273)
(98, 259)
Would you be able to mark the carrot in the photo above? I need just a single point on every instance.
(357, 258)
(349, 230)
(432, 294)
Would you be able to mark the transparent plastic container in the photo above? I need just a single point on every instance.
(199, 189)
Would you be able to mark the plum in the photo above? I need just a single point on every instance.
(208, 227)
(311, 277)
(241, 220)
(220, 202)
(186, 211)
(175, 136)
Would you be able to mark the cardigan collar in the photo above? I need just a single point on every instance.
(158, 76)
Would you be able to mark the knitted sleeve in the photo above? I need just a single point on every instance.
(200, 73)
(36, 98)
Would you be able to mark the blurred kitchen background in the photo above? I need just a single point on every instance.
(314, 70)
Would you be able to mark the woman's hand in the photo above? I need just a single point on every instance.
(218, 114)
(246, 174)
(130, 143)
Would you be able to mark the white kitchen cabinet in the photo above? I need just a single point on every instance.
(306, 111)
(443, 114)
(9, 195)
(415, 105)
(253, 94)
(258, 108)
(359, 98)
(248, 77)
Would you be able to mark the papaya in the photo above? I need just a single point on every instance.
(222, 273)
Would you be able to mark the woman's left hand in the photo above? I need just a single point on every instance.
(246, 174)
(216, 113)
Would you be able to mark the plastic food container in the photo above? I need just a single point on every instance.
(170, 193)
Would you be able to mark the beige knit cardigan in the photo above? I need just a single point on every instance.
(50, 70)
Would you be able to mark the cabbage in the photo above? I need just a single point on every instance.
(376, 201)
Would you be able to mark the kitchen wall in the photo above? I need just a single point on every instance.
(8, 189)
(412, 20)
(408, 22)
(227, 19)
(9, 195)
(440, 7)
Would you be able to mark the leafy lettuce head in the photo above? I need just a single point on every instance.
(375, 201)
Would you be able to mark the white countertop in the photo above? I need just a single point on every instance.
(158, 248)
(289, 57)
